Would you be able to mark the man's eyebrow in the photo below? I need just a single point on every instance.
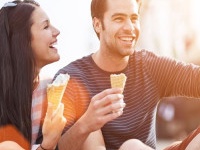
(122, 14)
(118, 14)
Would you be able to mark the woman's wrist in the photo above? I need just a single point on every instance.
(41, 147)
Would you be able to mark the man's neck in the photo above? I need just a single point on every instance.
(110, 63)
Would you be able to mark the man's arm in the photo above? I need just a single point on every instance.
(94, 141)
(73, 138)
(101, 110)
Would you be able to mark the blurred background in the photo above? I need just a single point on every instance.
(168, 27)
(171, 28)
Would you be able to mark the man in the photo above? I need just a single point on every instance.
(149, 78)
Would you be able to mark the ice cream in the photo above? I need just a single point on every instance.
(56, 90)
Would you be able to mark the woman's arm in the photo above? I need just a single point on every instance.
(53, 126)
(10, 145)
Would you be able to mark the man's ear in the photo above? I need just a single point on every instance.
(97, 25)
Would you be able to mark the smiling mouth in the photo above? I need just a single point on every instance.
(127, 39)
(53, 45)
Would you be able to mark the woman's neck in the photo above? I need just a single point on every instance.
(36, 79)
(36, 82)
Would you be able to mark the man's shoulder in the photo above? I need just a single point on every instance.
(143, 54)
(75, 66)
(79, 63)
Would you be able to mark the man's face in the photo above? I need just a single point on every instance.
(121, 27)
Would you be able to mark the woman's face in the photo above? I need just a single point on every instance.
(44, 38)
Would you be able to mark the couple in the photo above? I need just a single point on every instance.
(88, 98)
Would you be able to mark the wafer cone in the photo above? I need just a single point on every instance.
(118, 80)
(56, 90)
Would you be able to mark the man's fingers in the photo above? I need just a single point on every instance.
(114, 107)
(108, 100)
(112, 116)
(107, 92)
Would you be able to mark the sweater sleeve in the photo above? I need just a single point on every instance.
(173, 77)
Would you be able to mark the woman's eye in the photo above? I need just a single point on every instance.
(46, 26)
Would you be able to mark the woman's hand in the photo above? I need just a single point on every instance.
(103, 108)
(53, 126)
(10, 145)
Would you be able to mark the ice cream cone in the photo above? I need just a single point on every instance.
(56, 90)
(118, 81)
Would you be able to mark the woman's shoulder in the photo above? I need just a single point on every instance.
(43, 82)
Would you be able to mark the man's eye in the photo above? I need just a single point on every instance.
(134, 19)
(118, 19)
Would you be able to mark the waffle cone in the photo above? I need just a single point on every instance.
(55, 93)
(118, 80)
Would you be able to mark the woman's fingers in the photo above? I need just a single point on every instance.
(49, 112)
(58, 121)
(60, 109)
(60, 113)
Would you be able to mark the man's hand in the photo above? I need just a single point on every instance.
(103, 108)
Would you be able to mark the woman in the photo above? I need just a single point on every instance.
(27, 42)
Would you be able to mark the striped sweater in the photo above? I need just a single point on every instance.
(39, 104)
(149, 78)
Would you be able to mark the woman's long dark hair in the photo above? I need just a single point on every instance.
(17, 66)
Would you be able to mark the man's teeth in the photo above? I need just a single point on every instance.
(127, 39)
